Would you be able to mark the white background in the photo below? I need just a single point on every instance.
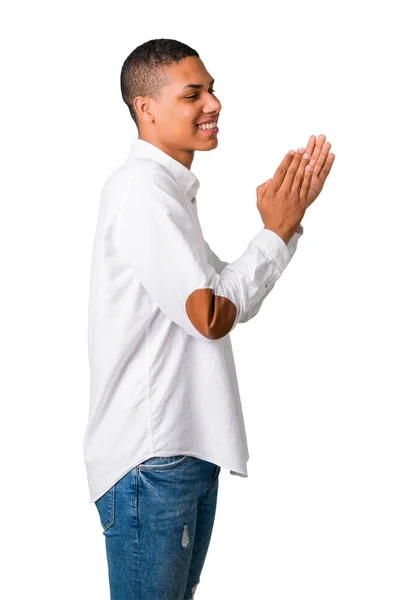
(318, 517)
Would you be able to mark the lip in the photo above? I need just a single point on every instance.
(212, 131)
(209, 121)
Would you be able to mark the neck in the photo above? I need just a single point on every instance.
(185, 157)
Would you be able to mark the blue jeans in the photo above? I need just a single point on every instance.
(157, 522)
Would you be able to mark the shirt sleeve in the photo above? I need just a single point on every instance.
(254, 308)
(158, 238)
(218, 263)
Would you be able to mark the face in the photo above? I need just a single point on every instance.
(186, 99)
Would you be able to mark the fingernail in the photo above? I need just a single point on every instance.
(301, 150)
(292, 152)
(306, 155)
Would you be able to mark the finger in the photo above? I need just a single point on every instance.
(262, 188)
(311, 144)
(326, 168)
(266, 183)
(305, 188)
(317, 150)
(281, 171)
(299, 176)
(319, 163)
(292, 170)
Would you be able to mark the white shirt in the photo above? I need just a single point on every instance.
(161, 307)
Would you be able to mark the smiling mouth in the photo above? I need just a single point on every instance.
(207, 126)
(208, 130)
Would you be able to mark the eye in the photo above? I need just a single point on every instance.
(195, 95)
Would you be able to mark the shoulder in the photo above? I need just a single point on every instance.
(152, 180)
(152, 189)
(150, 172)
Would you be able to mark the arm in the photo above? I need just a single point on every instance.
(255, 307)
(215, 260)
(157, 238)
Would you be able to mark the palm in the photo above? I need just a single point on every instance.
(321, 161)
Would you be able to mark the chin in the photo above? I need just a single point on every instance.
(207, 144)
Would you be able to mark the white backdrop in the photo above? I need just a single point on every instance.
(318, 517)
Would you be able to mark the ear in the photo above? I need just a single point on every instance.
(142, 108)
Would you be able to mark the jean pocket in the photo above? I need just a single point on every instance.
(215, 477)
(106, 508)
(164, 462)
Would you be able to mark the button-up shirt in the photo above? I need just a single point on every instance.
(162, 305)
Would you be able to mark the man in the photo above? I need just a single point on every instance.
(165, 411)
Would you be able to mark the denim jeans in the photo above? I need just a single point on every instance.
(157, 521)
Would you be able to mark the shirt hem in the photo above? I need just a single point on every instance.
(240, 473)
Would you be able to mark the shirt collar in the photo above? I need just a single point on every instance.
(186, 180)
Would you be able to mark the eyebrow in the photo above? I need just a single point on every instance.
(197, 85)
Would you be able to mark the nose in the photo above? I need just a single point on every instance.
(214, 106)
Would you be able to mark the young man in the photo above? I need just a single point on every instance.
(165, 411)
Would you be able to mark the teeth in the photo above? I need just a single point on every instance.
(207, 125)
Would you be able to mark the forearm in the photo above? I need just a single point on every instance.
(256, 305)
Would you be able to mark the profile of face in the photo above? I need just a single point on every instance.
(186, 100)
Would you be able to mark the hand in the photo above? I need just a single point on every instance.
(282, 200)
(321, 160)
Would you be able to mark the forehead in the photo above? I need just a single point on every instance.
(189, 70)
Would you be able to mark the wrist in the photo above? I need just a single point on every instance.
(283, 235)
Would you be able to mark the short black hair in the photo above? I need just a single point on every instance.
(142, 73)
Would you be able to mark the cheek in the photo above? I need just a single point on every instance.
(182, 118)
(189, 114)
(188, 119)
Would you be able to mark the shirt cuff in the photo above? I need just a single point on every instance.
(274, 247)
